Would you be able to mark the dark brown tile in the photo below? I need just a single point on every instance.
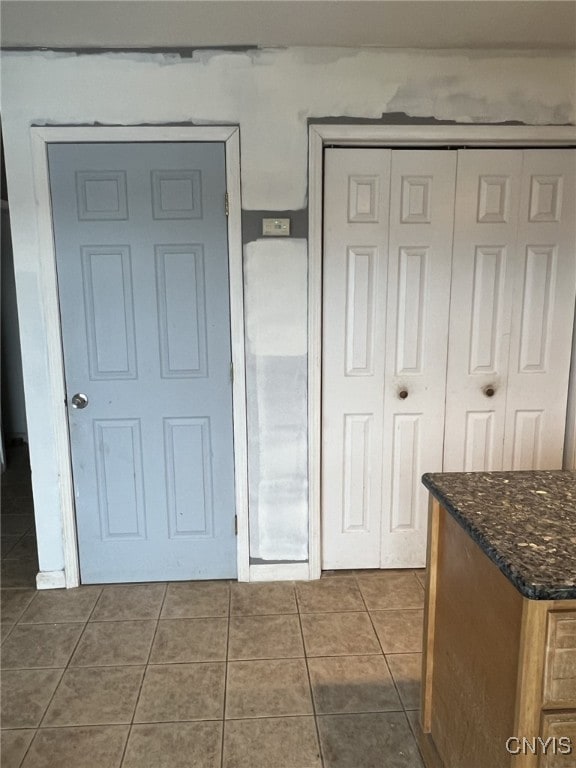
(13, 746)
(174, 692)
(338, 634)
(13, 603)
(368, 741)
(25, 548)
(7, 543)
(174, 745)
(399, 631)
(55, 606)
(352, 684)
(185, 640)
(13, 524)
(196, 599)
(329, 595)
(275, 742)
(392, 590)
(114, 643)
(40, 645)
(124, 603)
(85, 747)
(261, 599)
(95, 696)
(25, 695)
(18, 573)
(265, 637)
(271, 688)
(406, 670)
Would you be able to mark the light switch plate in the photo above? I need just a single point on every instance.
(276, 227)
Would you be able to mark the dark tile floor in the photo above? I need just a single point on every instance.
(204, 674)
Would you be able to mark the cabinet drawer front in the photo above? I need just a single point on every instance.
(557, 748)
(560, 672)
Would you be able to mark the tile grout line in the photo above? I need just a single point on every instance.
(146, 664)
(226, 667)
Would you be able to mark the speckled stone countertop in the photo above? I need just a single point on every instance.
(524, 521)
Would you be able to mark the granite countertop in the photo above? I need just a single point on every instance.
(524, 521)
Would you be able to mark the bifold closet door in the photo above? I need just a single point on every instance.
(512, 310)
(387, 255)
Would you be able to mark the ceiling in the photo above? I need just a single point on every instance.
(185, 24)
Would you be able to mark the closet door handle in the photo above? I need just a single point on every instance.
(489, 391)
(403, 394)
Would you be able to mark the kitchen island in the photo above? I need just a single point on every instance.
(499, 662)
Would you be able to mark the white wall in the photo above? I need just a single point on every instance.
(271, 94)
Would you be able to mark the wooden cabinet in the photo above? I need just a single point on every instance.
(497, 665)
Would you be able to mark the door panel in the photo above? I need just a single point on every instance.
(142, 261)
(354, 274)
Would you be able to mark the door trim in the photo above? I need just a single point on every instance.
(230, 136)
(319, 136)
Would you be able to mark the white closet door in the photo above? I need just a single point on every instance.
(543, 312)
(356, 200)
(419, 273)
(486, 266)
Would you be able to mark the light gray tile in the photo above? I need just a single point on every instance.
(40, 645)
(406, 670)
(261, 599)
(95, 696)
(114, 643)
(368, 740)
(185, 640)
(25, 695)
(123, 603)
(279, 742)
(174, 692)
(338, 634)
(195, 599)
(54, 606)
(399, 631)
(265, 637)
(84, 747)
(271, 688)
(329, 595)
(174, 745)
(13, 746)
(392, 590)
(352, 684)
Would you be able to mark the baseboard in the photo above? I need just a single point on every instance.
(280, 572)
(51, 580)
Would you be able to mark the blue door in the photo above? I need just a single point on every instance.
(142, 262)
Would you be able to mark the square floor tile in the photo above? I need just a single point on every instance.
(275, 742)
(8, 542)
(40, 645)
(85, 747)
(406, 670)
(329, 595)
(61, 606)
(352, 684)
(25, 695)
(13, 603)
(25, 547)
(399, 631)
(182, 692)
(123, 603)
(174, 745)
(421, 575)
(19, 573)
(265, 637)
(12, 524)
(338, 634)
(260, 599)
(114, 643)
(368, 741)
(95, 696)
(392, 590)
(5, 629)
(271, 688)
(13, 746)
(184, 640)
(194, 599)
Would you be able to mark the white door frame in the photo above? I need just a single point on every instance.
(384, 136)
(229, 135)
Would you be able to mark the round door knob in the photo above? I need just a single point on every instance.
(403, 394)
(79, 400)
(489, 391)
